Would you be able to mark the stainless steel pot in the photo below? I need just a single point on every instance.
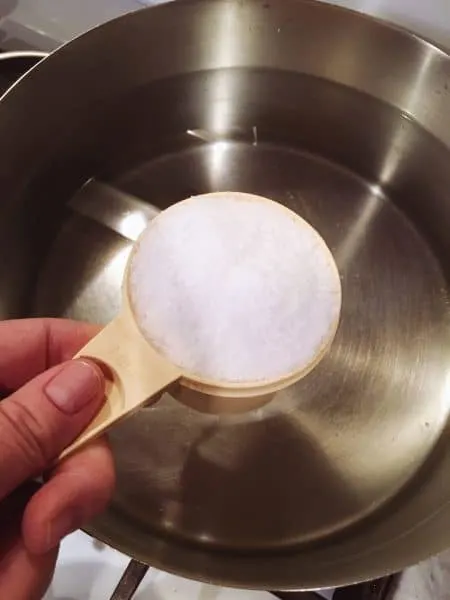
(13, 65)
(346, 476)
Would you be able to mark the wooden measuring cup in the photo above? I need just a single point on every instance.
(137, 372)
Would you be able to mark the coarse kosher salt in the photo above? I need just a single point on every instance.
(234, 288)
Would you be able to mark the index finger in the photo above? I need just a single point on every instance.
(30, 346)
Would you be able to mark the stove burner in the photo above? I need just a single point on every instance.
(380, 589)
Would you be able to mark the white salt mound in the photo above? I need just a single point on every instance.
(234, 288)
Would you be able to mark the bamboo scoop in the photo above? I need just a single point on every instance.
(230, 296)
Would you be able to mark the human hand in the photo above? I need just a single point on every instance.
(52, 399)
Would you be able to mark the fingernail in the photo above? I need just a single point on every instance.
(75, 386)
(58, 529)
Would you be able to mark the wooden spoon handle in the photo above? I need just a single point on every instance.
(135, 374)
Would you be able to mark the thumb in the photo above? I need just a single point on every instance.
(42, 418)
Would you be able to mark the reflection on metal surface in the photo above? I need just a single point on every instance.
(395, 154)
(88, 262)
(345, 475)
(421, 84)
(228, 47)
(218, 162)
(415, 93)
(358, 230)
(202, 134)
(255, 135)
(121, 212)
(133, 225)
(114, 270)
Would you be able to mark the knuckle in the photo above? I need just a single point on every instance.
(24, 434)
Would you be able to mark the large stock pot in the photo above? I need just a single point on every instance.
(346, 476)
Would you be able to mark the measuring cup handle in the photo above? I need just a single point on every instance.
(134, 371)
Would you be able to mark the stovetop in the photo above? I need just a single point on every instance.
(89, 570)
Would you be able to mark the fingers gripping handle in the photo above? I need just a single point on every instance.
(135, 373)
